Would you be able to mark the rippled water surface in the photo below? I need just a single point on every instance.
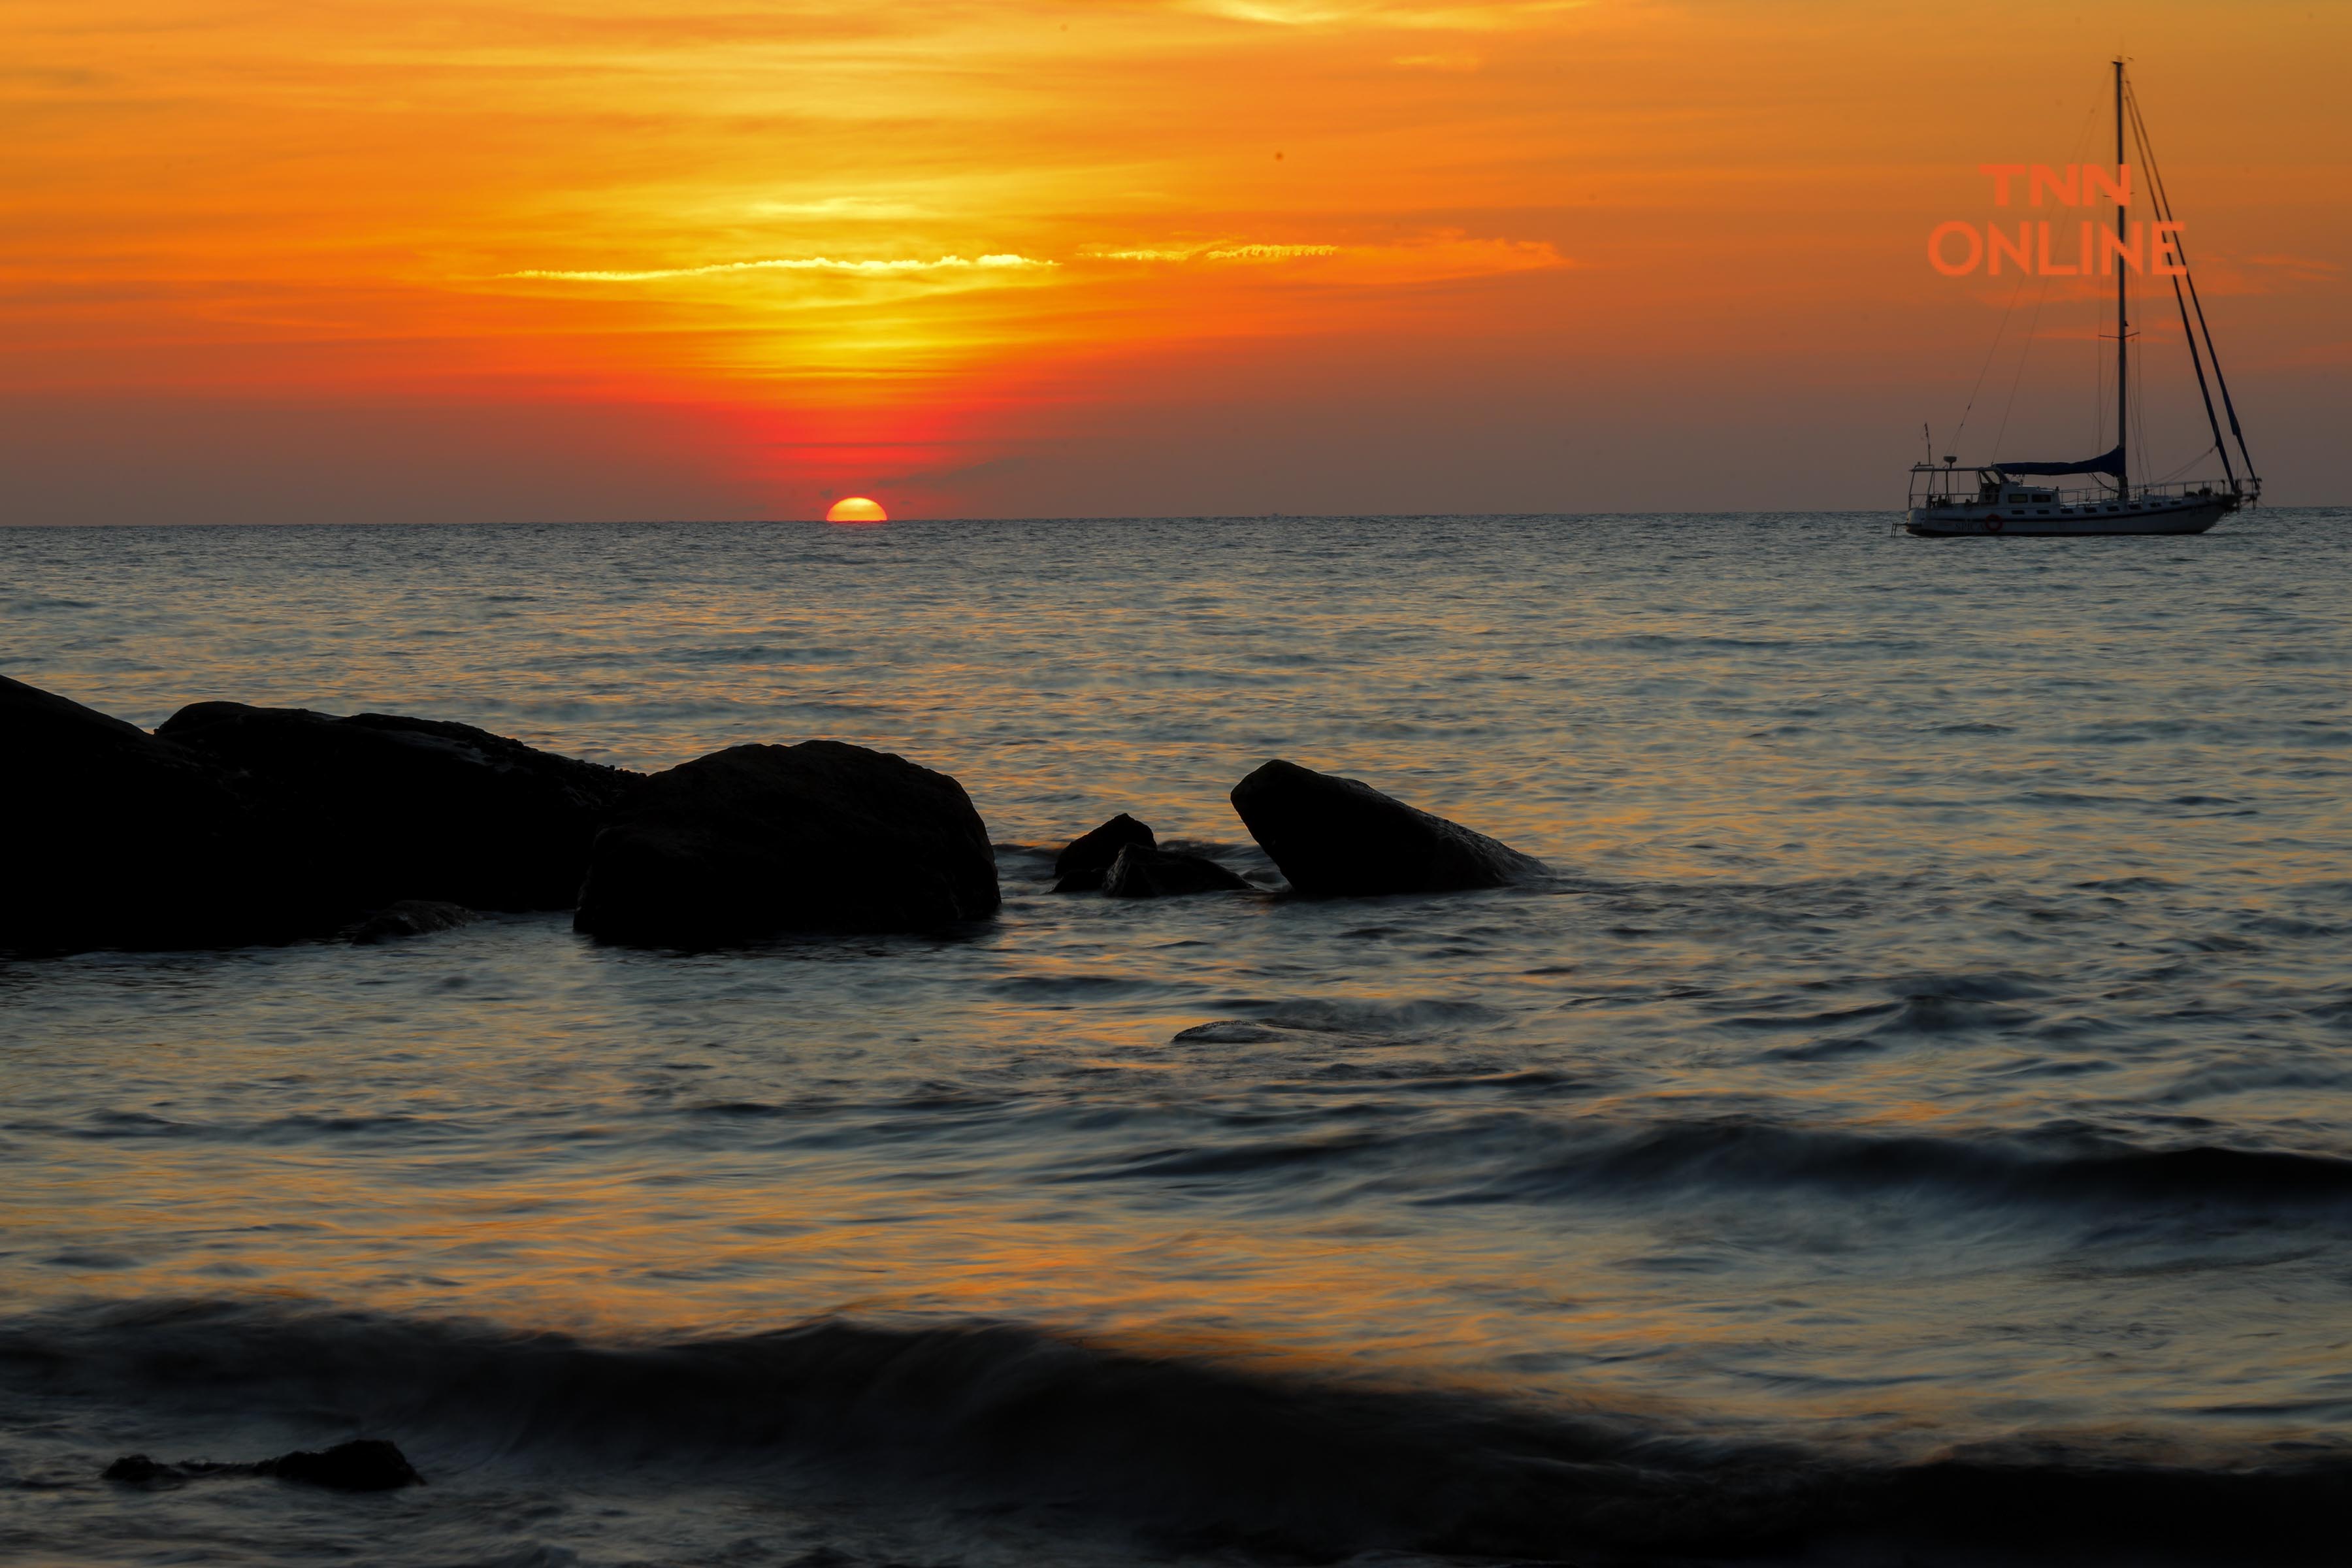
(1935, 1046)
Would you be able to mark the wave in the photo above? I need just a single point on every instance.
(1517, 1152)
(1739, 1151)
(1182, 1449)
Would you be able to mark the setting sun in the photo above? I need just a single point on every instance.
(856, 509)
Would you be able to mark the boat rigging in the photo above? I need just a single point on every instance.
(2008, 497)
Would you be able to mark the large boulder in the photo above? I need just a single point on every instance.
(1082, 862)
(383, 808)
(116, 839)
(1336, 836)
(757, 840)
(1142, 872)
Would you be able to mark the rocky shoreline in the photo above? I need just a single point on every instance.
(233, 825)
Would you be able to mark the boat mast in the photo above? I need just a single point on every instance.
(2122, 328)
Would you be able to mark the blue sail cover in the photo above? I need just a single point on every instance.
(2110, 463)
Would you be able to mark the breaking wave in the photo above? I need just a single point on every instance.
(1177, 1446)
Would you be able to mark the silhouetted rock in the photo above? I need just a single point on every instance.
(366, 1465)
(1081, 864)
(385, 808)
(138, 1470)
(116, 839)
(756, 840)
(1340, 837)
(409, 917)
(369, 1465)
(1141, 872)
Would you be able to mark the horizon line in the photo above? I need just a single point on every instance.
(1069, 517)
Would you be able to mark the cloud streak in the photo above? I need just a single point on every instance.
(1494, 15)
(1217, 253)
(1446, 253)
(999, 263)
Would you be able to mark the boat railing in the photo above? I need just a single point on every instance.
(1938, 484)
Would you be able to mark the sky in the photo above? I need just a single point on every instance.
(403, 261)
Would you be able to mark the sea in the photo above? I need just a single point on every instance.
(1913, 1124)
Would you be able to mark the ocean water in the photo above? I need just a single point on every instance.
(1915, 1124)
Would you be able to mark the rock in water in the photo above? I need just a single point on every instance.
(756, 840)
(392, 808)
(1337, 837)
(1141, 872)
(138, 1470)
(1081, 864)
(369, 1465)
(366, 1465)
(409, 917)
(116, 839)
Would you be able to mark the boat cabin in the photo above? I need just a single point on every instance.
(1993, 490)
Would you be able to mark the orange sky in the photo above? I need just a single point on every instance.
(382, 259)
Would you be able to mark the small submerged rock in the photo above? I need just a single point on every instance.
(1335, 836)
(138, 1470)
(368, 1464)
(364, 1465)
(1083, 863)
(1142, 872)
(409, 917)
(1234, 1032)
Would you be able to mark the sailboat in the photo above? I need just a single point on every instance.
(2015, 498)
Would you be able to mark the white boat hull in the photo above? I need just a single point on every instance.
(2191, 514)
